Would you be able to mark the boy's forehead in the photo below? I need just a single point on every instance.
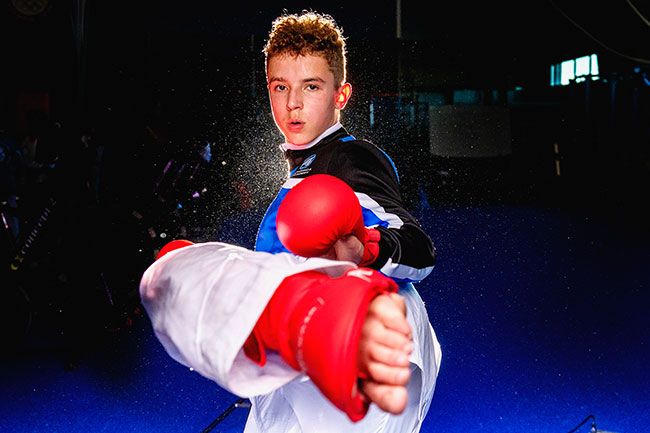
(290, 65)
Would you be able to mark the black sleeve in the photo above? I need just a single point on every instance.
(406, 251)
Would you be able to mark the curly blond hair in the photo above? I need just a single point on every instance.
(309, 33)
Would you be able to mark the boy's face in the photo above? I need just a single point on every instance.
(304, 98)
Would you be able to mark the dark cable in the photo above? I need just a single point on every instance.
(224, 414)
(635, 59)
(640, 15)
(33, 235)
(589, 417)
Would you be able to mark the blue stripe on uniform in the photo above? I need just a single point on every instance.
(391, 163)
(371, 220)
(267, 235)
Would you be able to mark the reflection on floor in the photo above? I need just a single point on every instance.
(541, 313)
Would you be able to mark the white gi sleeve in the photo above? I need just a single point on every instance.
(203, 301)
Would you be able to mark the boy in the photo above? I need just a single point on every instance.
(306, 75)
(209, 301)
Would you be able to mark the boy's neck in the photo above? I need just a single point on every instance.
(328, 131)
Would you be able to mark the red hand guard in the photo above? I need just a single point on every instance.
(314, 322)
(317, 212)
(171, 246)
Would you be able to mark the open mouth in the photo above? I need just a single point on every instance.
(295, 125)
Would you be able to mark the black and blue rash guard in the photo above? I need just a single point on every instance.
(406, 252)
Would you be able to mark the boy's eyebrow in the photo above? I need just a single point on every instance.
(305, 80)
(319, 79)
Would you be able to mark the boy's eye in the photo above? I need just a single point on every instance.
(312, 87)
(280, 88)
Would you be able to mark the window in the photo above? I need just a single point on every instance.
(578, 70)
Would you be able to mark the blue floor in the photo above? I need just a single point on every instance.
(541, 314)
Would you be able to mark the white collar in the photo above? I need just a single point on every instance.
(328, 131)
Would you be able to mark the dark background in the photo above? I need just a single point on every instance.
(125, 96)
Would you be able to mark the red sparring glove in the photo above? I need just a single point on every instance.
(171, 246)
(314, 322)
(317, 212)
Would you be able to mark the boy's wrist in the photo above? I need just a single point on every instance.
(370, 247)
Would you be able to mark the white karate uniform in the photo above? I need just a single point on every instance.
(203, 301)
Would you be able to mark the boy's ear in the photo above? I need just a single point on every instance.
(343, 95)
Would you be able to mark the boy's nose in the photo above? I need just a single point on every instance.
(295, 100)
